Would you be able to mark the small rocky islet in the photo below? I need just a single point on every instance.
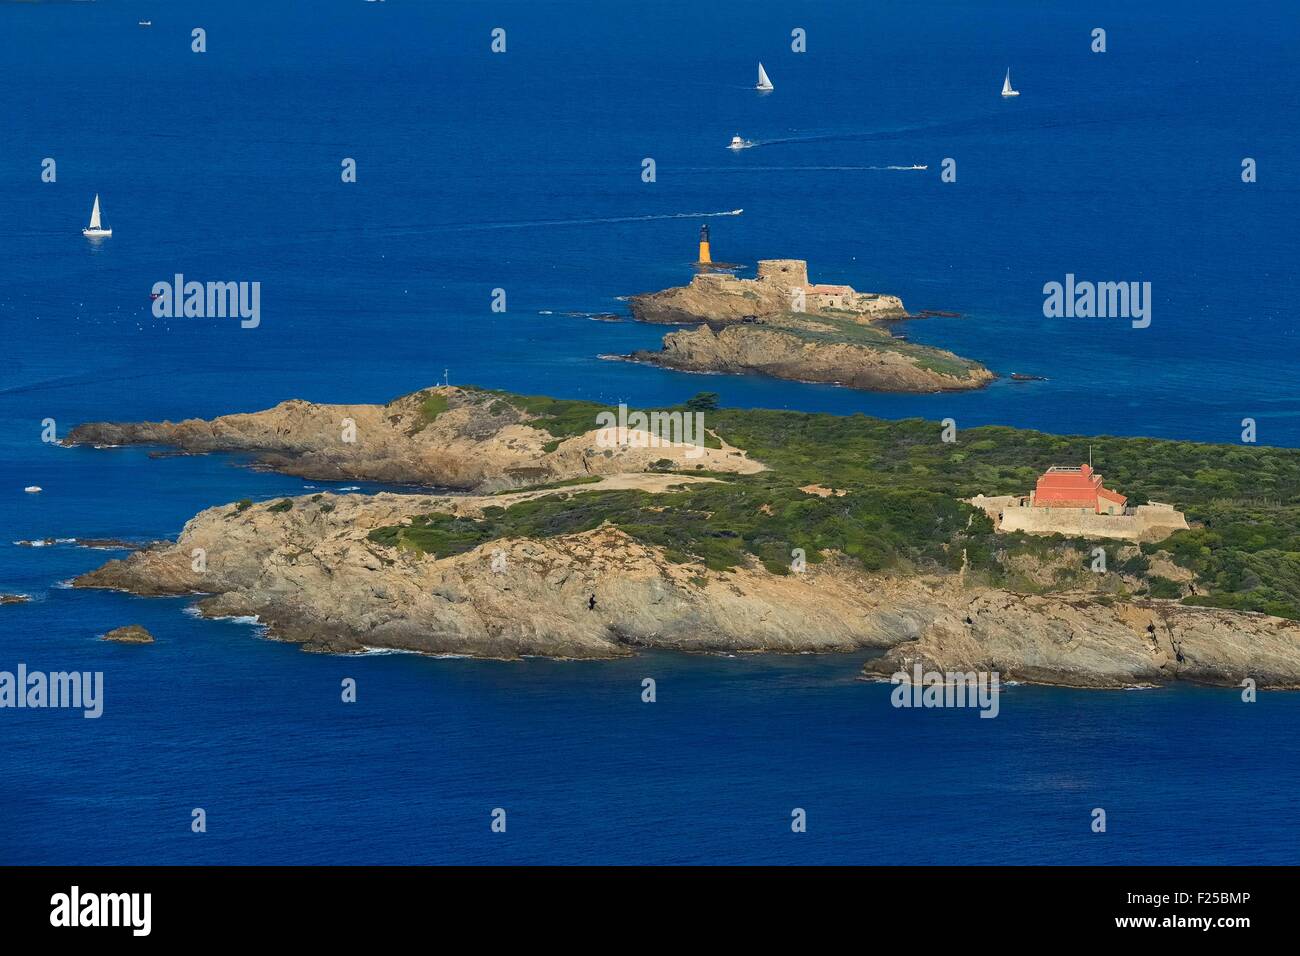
(782, 325)
(130, 634)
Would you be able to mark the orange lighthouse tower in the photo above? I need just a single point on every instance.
(705, 258)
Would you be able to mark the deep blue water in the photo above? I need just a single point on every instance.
(522, 171)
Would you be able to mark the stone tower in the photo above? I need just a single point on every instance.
(784, 273)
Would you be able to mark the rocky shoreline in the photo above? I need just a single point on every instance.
(313, 577)
(805, 350)
(446, 437)
(327, 571)
(95, 544)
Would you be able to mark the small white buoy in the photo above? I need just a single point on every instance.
(33, 489)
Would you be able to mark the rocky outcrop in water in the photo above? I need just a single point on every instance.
(131, 634)
(782, 325)
(794, 350)
(781, 285)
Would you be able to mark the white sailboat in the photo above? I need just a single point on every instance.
(95, 230)
(764, 83)
(1006, 86)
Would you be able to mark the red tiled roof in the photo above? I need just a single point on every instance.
(1081, 487)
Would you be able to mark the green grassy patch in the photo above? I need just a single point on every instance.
(431, 407)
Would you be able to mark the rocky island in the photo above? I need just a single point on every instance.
(467, 439)
(131, 634)
(780, 324)
(798, 533)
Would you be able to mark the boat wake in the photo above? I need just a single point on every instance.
(992, 118)
(404, 232)
(584, 222)
(542, 223)
(119, 374)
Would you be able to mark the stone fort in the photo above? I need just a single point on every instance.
(781, 285)
(1073, 501)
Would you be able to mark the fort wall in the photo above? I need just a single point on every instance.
(1150, 522)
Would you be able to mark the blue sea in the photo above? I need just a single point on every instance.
(522, 171)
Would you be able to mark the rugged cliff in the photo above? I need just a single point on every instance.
(1079, 641)
(314, 574)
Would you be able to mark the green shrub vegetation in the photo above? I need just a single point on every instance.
(1159, 587)
(903, 508)
(702, 402)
